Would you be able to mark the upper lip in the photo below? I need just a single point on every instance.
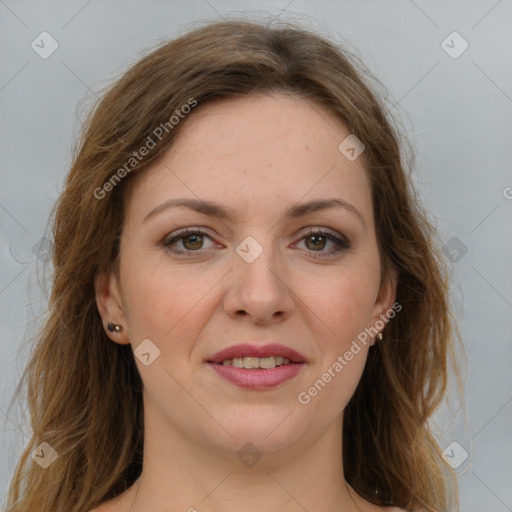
(247, 350)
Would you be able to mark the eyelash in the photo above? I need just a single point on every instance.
(341, 243)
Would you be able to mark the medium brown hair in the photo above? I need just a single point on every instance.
(77, 379)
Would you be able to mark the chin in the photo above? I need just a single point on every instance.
(268, 433)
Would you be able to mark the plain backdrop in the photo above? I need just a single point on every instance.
(447, 67)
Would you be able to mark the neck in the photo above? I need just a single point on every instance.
(181, 473)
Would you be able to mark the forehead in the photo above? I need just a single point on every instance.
(253, 153)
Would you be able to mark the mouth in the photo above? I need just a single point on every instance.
(257, 367)
(252, 356)
(262, 363)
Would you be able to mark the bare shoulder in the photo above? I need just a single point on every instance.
(398, 509)
(370, 507)
(104, 507)
(120, 503)
(112, 505)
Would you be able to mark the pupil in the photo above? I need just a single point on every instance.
(195, 241)
(318, 241)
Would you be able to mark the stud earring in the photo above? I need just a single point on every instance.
(379, 336)
(114, 327)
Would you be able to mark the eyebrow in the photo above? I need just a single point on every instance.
(222, 212)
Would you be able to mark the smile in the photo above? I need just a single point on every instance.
(265, 363)
(257, 367)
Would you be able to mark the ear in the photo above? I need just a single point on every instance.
(383, 309)
(108, 302)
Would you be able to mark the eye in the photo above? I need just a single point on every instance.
(316, 240)
(191, 240)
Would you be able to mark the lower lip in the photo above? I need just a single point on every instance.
(258, 379)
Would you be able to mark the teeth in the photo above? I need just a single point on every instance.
(266, 363)
(252, 362)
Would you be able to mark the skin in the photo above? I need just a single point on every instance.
(258, 156)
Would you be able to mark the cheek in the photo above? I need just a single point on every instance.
(339, 318)
(148, 299)
(165, 304)
(343, 308)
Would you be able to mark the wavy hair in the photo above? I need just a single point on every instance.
(76, 380)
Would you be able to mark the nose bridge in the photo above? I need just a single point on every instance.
(258, 288)
(258, 262)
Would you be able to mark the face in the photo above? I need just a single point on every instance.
(253, 230)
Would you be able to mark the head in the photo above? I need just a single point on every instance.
(257, 156)
(249, 118)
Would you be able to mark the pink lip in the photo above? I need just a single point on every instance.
(257, 379)
(257, 351)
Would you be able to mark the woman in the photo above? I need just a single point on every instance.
(248, 308)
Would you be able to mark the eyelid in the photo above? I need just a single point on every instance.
(341, 242)
(183, 232)
(338, 239)
(314, 230)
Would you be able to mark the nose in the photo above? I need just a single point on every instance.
(258, 290)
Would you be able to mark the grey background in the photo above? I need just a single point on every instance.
(456, 111)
